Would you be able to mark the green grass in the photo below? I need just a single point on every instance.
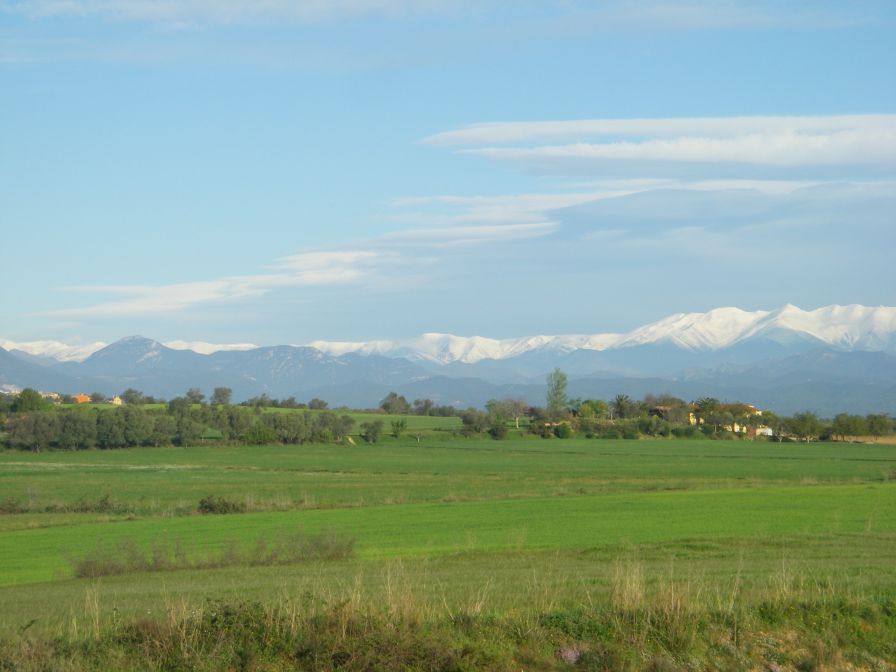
(520, 527)
(168, 480)
(429, 530)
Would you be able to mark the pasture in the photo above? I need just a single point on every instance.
(494, 529)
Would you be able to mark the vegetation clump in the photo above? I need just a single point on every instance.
(220, 505)
(164, 555)
(318, 634)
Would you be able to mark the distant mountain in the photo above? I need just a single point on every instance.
(15, 372)
(55, 350)
(830, 359)
(279, 371)
(849, 327)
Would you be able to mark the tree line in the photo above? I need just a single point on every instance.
(33, 424)
(660, 415)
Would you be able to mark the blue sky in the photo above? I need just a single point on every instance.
(277, 172)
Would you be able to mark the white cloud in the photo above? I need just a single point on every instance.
(306, 269)
(224, 11)
(569, 17)
(772, 142)
(709, 127)
(783, 149)
(469, 235)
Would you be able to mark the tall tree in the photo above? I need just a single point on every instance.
(133, 397)
(622, 406)
(221, 396)
(395, 404)
(555, 398)
(29, 400)
(194, 396)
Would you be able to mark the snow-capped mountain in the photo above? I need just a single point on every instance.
(61, 352)
(852, 327)
(833, 359)
(846, 327)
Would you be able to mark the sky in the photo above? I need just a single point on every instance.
(277, 172)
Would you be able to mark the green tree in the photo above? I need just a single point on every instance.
(34, 431)
(178, 406)
(622, 407)
(77, 430)
(97, 397)
(188, 430)
(805, 426)
(707, 410)
(138, 426)
(879, 425)
(370, 431)
(848, 425)
(398, 427)
(110, 430)
(555, 397)
(317, 404)
(395, 404)
(164, 429)
(221, 396)
(594, 409)
(473, 422)
(194, 396)
(29, 400)
(133, 397)
(507, 409)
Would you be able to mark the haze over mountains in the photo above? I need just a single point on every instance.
(836, 358)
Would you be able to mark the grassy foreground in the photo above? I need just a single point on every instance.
(464, 554)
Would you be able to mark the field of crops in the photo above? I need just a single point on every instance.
(451, 525)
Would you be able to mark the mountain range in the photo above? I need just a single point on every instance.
(835, 358)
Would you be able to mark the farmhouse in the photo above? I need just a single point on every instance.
(81, 398)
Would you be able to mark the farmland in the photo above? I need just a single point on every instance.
(514, 530)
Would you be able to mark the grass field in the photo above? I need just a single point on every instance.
(506, 530)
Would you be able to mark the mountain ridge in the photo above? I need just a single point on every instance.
(852, 327)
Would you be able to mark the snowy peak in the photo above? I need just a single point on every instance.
(713, 330)
(205, 348)
(53, 349)
(851, 327)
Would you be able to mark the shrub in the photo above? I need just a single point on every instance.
(220, 505)
(370, 431)
(563, 431)
(498, 430)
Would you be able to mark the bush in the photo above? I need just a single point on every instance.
(220, 505)
(370, 431)
(498, 430)
(563, 431)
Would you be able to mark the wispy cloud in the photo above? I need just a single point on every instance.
(224, 11)
(668, 146)
(305, 269)
(574, 16)
(712, 127)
